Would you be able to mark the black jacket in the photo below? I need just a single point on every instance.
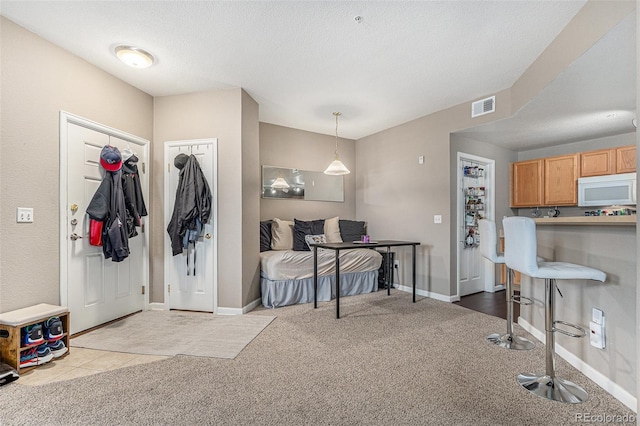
(108, 206)
(133, 198)
(193, 201)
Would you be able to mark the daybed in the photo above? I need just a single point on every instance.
(286, 262)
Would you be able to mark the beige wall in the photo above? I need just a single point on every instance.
(231, 117)
(297, 149)
(38, 80)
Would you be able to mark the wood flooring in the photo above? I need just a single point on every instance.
(490, 304)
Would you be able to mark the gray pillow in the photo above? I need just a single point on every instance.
(265, 235)
(303, 228)
(352, 230)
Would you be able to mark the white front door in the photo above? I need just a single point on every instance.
(475, 201)
(96, 290)
(190, 277)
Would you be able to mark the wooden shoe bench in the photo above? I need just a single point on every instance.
(12, 322)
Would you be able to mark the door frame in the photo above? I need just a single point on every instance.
(65, 119)
(168, 210)
(490, 203)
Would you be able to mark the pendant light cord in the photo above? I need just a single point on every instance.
(337, 114)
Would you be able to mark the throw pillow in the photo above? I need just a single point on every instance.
(302, 228)
(352, 230)
(332, 230)
(265, 235)
(315, 239)
(281, 234)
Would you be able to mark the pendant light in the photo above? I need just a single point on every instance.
(337, 167)
(280, 183)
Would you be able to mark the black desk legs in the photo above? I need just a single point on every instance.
(315, 277)
(389, 272)
(337, 284)
(413, 262)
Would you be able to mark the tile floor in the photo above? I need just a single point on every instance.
(82, 362)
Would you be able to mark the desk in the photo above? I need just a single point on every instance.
(351, 245)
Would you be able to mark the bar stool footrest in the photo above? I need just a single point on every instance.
(552, 388)
(582, 331)
(521, 300)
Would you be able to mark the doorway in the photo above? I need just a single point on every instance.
(475, 201)
(191, 278)
(96, 290)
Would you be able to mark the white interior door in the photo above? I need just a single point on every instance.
(185, 288)
(97, 290)
(475, 201)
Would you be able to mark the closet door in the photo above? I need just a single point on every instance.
(191, 277)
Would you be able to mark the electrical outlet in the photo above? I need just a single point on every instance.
(396, 264)
(24, 215)
(437, 218)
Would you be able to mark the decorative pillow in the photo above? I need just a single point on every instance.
(332, 230)
(265, 235)
(281, 234)
(352, 230)
(302, 228)
(315, 239)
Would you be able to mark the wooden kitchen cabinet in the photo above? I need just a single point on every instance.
(626, 159)
(526, 183)
(561, 180)
(598, 163)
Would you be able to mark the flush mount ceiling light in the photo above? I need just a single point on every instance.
(336, 167)
(134, 57)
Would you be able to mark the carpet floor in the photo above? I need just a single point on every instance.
(176, 333)
(387, 361)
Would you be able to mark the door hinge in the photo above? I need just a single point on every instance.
(144, 168)
(142, 289)
(168, 288)
(168, 167)
(142, 227)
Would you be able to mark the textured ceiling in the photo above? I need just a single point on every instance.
(594, 97)
(302, 60)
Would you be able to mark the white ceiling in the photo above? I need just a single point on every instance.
(594, 97)
(302, 60)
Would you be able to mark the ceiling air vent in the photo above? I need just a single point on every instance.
(484, 106)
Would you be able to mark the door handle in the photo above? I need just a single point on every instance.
(74, 237)
(207, 236)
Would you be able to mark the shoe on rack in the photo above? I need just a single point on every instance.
(32, 335)
(44, 354)
(57, 348)
(53, 329)
(29, 358)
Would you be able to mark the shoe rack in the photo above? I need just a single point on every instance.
(11, 324)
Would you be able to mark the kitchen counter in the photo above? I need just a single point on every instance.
(629, 220)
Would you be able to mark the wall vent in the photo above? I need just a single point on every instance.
(484, 106)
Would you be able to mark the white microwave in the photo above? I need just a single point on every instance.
(607, 190)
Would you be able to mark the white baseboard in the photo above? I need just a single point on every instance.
(424, 293)
(239, 311)
(156, 306)
(600, 379)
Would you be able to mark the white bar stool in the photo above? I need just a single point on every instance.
(488, 242)
(520, 255)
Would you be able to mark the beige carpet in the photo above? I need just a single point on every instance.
(176, 333)
(387, 361)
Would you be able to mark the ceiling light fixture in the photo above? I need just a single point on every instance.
(336, 167)
(134, 57)
(280, 183)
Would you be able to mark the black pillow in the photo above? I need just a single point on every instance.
(302, 228)
(265, 236)
(351, 230)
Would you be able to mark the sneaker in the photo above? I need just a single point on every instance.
(53, 329)
(57, 348)
(32, 335)
(44, 354)
(29, 358)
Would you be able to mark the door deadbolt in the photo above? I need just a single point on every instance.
(74, 237)
(74, 208)
(207, 236)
